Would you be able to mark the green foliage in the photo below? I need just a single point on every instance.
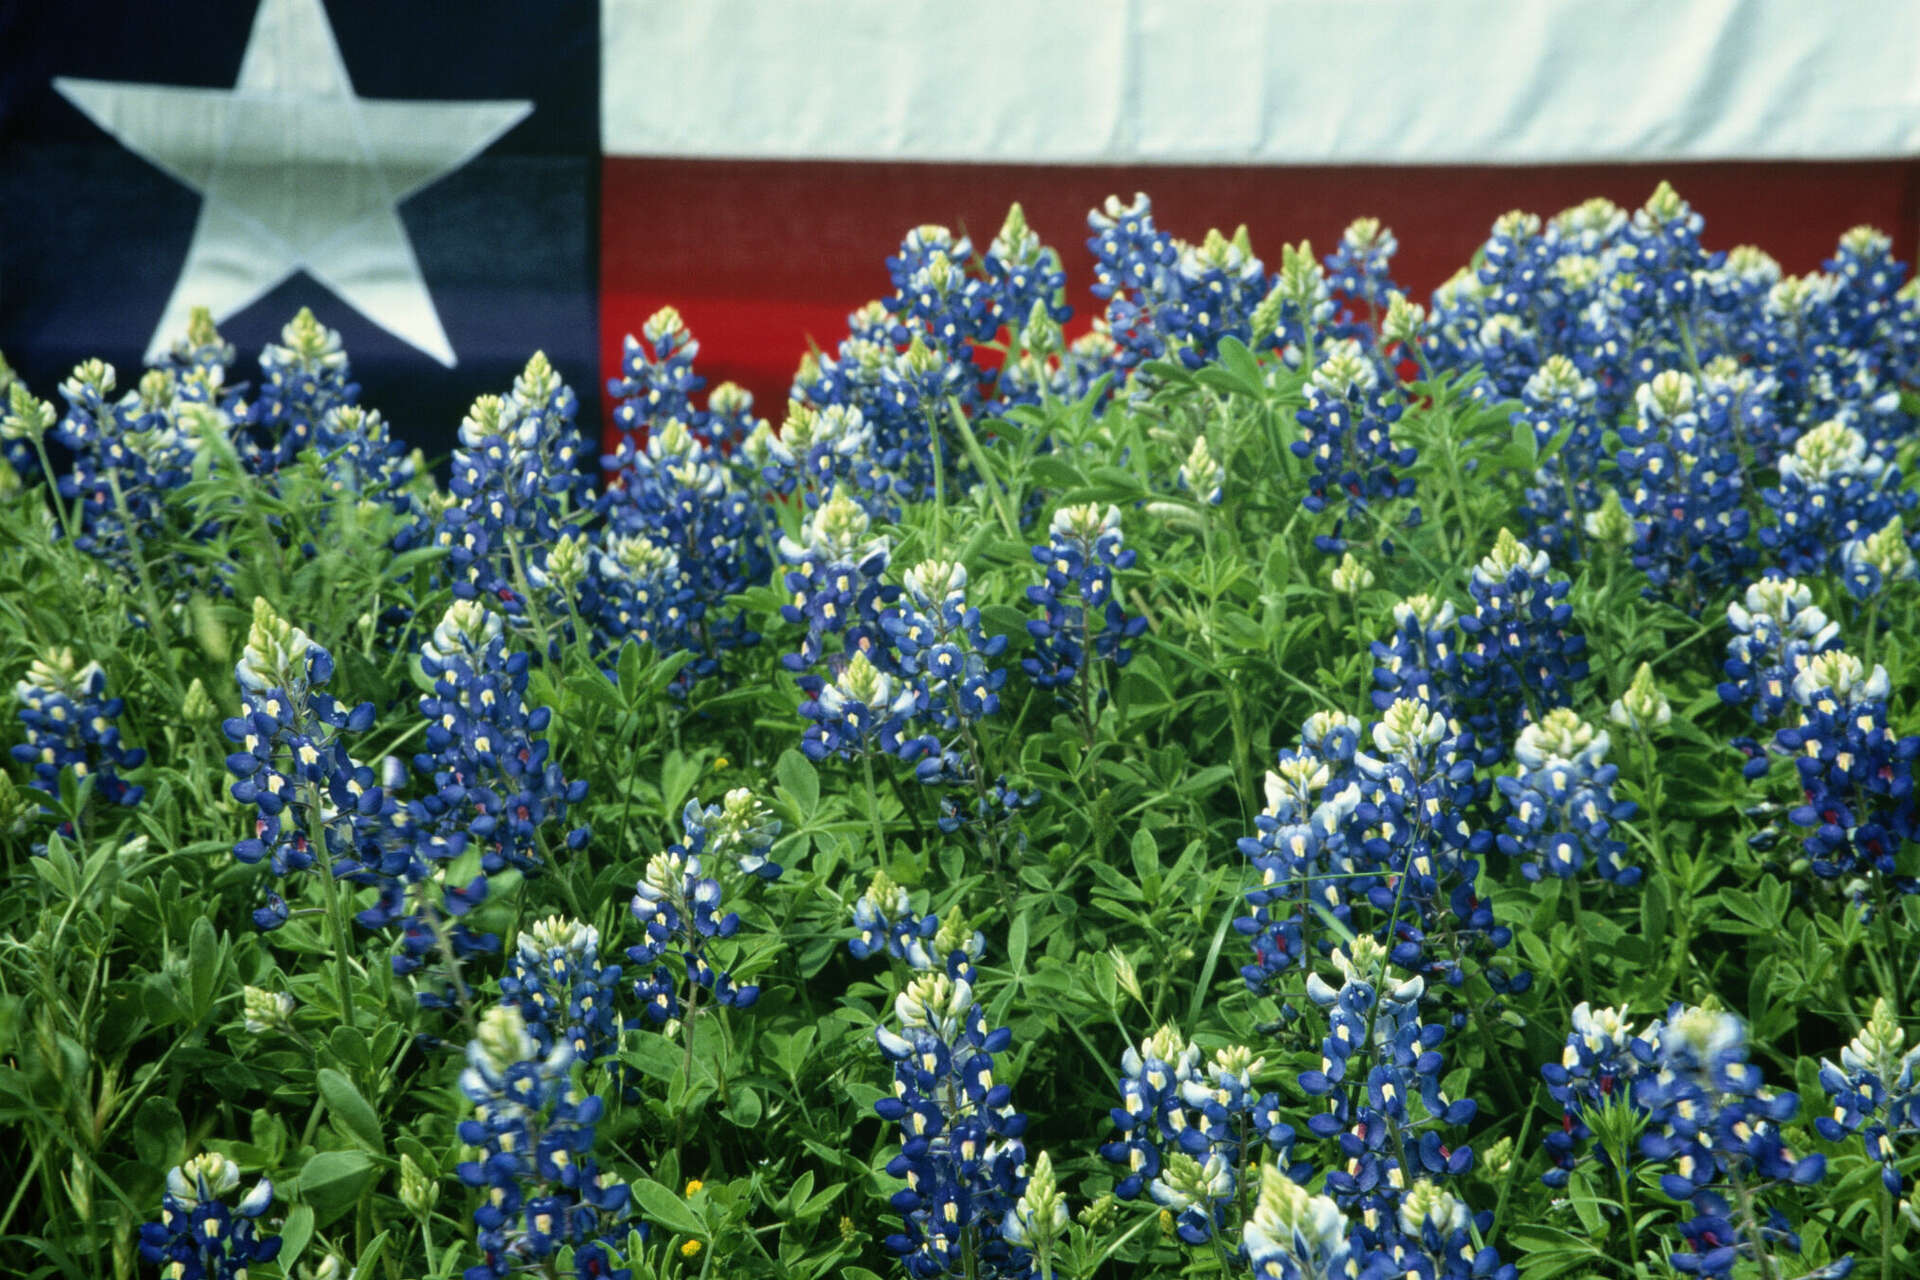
(125, 948)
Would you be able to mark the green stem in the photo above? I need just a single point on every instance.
(53, 486)
(873, 808)
(338, 929)
(979, 460)
(1622, 1169)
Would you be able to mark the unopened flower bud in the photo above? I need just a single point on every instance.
(1610, 525)
(197, 705)
(1040, 1216)
(1126, 975)
(1643, 707)
(1404, 321)
(418, 1192)
(1350, 576)
(264, 1011)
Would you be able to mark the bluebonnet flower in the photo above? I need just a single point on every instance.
(909, 411)
(1869, 280)
(564, 994)
(1682, 485)
(834, 575)
(683, 533)
(1520, 652)
(200, 357)
(1219, 285)
(1133, 263)
(1747, 398)
(516, 489)
(534, 1130)
(935, 294)
(1400, 333)
(823, 451)
(1411, 832)
(1874, 1092)
(1379, 1073)
(1296, 309)
(885, 922)
(1777, 627)
(1379, 844)
(1293, 1234)
(496, 780)
(1360, 270)
(356, 454)
(861, 709)
(1038, 1218)
(1644, 707)
(1832, 490)
(961, 1155)
(198, 1236)
(740, 827)
(1421, 659)
(944, 652)
(304, 376)
(23, 421)
(1349, 576)
(497, 790)
(1703, 1117)
(681, 909)
(1450, 339)
(72, 725)
(1181, 1125)
(1560, 806)
(1711, 1118)
(291, 762)
(128, 454)
(1872, 562)
(1299, 848)
(1082, 554)
(643, 592)
(1346, 433)
(1515, 262)
(691, 492)
(1855, 774)
(1597, 1070)
(657, 380)
(1558, 404)
(1659, 260)
(1024, 275)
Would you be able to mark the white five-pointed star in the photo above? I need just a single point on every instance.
(298, 174)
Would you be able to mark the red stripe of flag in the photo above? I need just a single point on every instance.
(763, 256)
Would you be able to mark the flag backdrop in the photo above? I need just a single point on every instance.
(452, 186)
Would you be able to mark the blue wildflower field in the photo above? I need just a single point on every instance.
(1295, 782)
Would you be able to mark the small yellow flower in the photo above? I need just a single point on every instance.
(693, 1186)
(719, 762)
(690, 1249)
(1166, 1223)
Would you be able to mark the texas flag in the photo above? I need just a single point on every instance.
(454, 185)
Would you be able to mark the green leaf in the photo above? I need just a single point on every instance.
(158, 1133)
(628, 668)
(203, 967)
(743, 1106)
(667, 1209)
(1146, 855)
(295, 1234)
(351, 1112)
(800, 780)
(332, 1181)
(1017, 942)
